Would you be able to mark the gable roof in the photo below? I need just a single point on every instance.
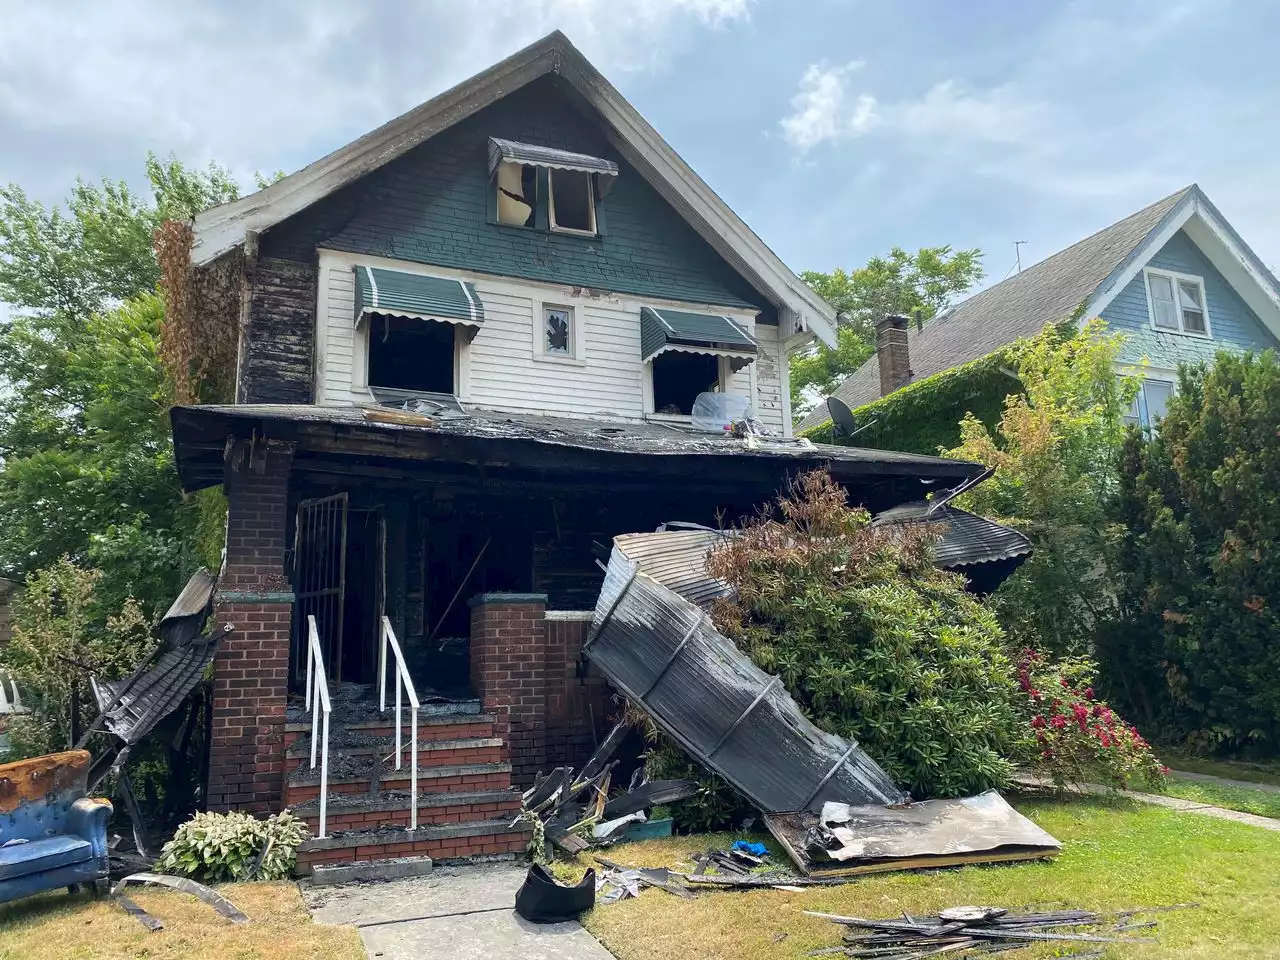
(222, 228)
(1091, 272)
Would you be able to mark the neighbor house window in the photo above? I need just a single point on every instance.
(1177, 303)
(573, 208)
(517, 185)
(1150, 404)
(678, 378)
(411, 354)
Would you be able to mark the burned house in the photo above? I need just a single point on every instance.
(471, 343)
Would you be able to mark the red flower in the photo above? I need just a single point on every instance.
(1037, 722)
(1088, 693)
(1164, 770)
(1059, 722)
(1035, 694)
(1063, 681)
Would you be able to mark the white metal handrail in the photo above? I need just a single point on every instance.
(317, 695)
(403, 682)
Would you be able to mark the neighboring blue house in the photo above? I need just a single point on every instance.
(1175, 277)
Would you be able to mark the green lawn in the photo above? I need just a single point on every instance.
(1264, 803)
(1116, 854)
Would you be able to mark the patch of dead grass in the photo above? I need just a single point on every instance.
(58, 926)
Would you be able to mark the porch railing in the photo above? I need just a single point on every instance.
(405, 684)
(317, 702)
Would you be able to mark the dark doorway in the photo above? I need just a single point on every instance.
(411, 354)
(363, 597)
(679, 377)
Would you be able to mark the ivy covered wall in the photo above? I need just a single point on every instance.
(924, 416)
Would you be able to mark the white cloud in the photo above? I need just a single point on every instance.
(822, 109)
(87, 87)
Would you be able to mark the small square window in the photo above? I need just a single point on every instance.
(517, 194)
(572, 202)
(557, 331)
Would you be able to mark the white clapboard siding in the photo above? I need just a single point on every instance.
(501, 369)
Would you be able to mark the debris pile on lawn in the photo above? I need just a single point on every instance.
(829, 804)
(574, 810)
(968, 931)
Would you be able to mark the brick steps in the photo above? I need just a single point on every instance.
(441, 842)
(437, 753)
(304, 783)
(430, 729)
(391, 809)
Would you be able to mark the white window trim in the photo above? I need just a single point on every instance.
(1162, 375)
(577, 334)
(1173, 277)
(551, 206)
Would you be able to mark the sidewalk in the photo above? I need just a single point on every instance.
(455, 913)
(1173, 803)
(1224, 781)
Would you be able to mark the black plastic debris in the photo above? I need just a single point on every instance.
(543, 899)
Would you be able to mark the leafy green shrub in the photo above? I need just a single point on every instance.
(1079, 738)
(1199, 584)
(217, 847)
(874, 642)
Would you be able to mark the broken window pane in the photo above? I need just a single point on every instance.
(572, 202)
(1192, 306)
(517, 190)
(411, 354)
(557, 331)
(679, 377)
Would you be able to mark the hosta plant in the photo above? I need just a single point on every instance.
(216, 847)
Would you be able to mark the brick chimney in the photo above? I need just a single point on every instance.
(893, 353)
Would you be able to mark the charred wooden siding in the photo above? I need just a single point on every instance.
(278, 341)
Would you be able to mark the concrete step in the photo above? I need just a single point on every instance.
(454, 841)
(432, 753)
(391, 809)
(366, 775)
(398, 868)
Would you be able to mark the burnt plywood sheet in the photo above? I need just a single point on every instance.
(662, 650)
(845, 840)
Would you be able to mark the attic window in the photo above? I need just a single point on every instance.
(517, 193)
(1177, 303)
(573, 208)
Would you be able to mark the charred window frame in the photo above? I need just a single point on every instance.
(406, 353)
(678, 376)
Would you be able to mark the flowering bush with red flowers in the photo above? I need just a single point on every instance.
(1075, 737)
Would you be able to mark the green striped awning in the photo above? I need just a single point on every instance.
(662, 330)
(416, 295)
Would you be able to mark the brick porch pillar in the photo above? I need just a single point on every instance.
(251, 669)
(509, 672)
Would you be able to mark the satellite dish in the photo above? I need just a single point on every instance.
(842, 417)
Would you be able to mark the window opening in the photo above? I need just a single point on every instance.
(1150, 404)
(1177, 303)
(557, 331)
(679, 377)
(517, 193)
(410, 354)
(572, 201)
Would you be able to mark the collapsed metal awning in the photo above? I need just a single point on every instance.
(986, 552)
(664, 330)
(530, 154)
(418, 296)
(662, 651)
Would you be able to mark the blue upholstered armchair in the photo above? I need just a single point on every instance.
(51, 834)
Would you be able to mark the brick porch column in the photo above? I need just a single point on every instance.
(509, 672)
(251, 669)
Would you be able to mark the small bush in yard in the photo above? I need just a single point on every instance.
(1079, 738)
(216, 847)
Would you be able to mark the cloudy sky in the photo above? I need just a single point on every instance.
(836, 128)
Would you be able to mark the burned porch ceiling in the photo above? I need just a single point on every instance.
(555, 449)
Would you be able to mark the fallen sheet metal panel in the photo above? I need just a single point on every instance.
(678, 560)
(662, 651)
(844, 840)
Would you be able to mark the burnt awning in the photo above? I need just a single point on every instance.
(984, 551)
(662, 330)
(419, 296)
(530, 154)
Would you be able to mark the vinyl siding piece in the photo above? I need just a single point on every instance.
(1232, 324)
(500, 369)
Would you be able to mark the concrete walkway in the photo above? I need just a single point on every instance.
(455, 913)
(1224, 781)
(1173, 803)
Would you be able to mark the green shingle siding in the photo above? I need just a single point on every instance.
(432, 206)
